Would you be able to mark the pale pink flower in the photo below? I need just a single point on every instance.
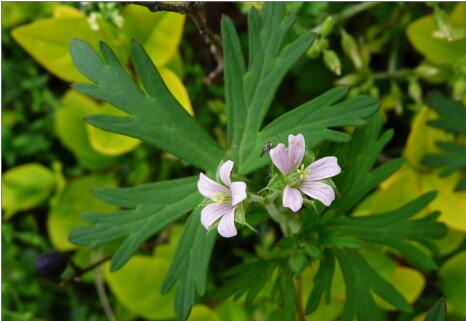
(299, 179)
(226, 198)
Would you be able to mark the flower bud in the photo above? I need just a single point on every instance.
(327, 26)
(349, 80)
(317, 47)
(351, 48)
(415, 90)
(332, 61)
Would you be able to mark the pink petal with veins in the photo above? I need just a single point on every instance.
(209, 188)
(280, 159)
(226, 227)
(292, 198)
(323, 168)
(296, 148)
(319, 191)
(238, 192)
(225, 171)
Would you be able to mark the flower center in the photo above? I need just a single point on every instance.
(301, 173)
(220, 198)
(296, 178)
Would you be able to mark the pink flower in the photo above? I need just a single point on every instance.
(299, 179)
(226, 198)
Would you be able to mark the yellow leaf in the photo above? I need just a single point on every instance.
(25, 186)
(159, 32)
(64, 11)
(136, 286)
(422, 138)
(202, 312)
(450, 242)
(48, 40)
(106, 142)
(408, 184)
(425, 37)
(15, 13)
(451, 204)
(75, 199)
(177, 88)
(453, 282)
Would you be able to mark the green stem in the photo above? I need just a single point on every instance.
(278, 217)
(390, 75)
(350, 12)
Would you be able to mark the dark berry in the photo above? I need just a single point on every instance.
(51, 264)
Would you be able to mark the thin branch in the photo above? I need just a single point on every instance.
(349, 12)
(102, 294)
(194, 10)
(182, 8)
(79, 272)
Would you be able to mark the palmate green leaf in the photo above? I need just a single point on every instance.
(360, 281)
(452, 159)
(452, 114)
(249, 90)
(146, 209)
(396, 230)
(452, 119)
(358, 157)
(189, 267)
(155, 116)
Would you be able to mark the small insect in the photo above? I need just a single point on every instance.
(267, 147)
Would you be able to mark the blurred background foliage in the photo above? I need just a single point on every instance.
(400, 53)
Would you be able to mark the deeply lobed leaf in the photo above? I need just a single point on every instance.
(147, 209)
(155, 116)
(358, 157)
(396, 230)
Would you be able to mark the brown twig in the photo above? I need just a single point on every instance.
(79, 272)
(194, 10)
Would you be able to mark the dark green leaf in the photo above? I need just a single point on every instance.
(438, 311)
(155, 116)
(452, 119)
(360, 280)
(452, 114)
(357, 160)
(189, 266)
(147, 209)
(248, 278)
(395, 229)
(322, 282)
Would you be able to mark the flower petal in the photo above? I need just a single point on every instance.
(296, 147)
(279, 156)
(319, 191)
(225, 171)
(323, 168)
(292, 198)
(238, 192)
(209, 188)
(226, 227)
(211, 213)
